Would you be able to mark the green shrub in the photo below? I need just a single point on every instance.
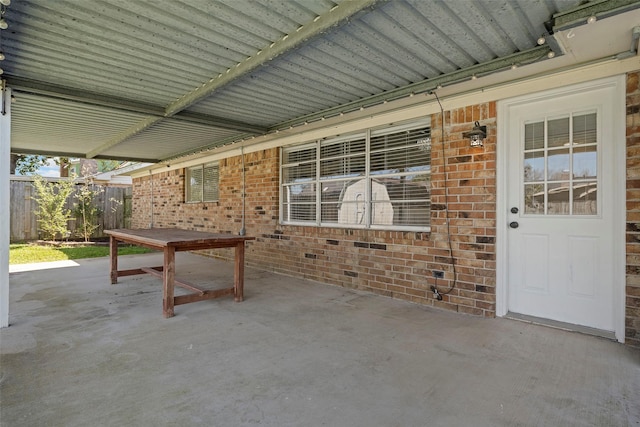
(86, 211)
(51, 214)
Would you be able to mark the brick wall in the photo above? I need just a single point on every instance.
(632, 302)
(391, 263)
(471, 199)
(169, 209)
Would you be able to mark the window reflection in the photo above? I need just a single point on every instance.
(585, 161)
(585, 129)
(560, 168)
(534, 166)
(534, 199)
(558, 164)
(558, 198)
(558, 132)
(534, 136)
(585, 198)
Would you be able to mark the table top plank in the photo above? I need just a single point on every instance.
(178, 238)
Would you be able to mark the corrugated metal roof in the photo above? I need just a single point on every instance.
(402, 42)
(45, 125)
(168, 138)
(104, 77)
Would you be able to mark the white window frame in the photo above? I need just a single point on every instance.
(317, 180)
(205, 189)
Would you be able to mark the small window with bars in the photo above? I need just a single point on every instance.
(202, 183)
(377, 179)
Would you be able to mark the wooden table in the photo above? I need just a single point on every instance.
(170, 241)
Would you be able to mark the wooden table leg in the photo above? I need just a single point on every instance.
(113, 253)
(238, 285)
(168, 280)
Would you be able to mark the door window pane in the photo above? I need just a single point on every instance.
(585, 162)
(560, 168)
(585, 129)
(534, 136)
(585, 198)
(558, 132)
(534, 166)
(558, 164)
(534, 199)
(558, 198)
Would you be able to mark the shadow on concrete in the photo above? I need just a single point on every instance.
(82, 352)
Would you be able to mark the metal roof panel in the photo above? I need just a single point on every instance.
(166, 57)
(166, 138)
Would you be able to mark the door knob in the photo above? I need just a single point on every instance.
(514, 224)
(514, 210)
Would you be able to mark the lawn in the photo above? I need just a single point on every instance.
(26, 253)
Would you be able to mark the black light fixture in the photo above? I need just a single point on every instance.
(476, 135)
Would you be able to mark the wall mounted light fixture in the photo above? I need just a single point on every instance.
(476, 135)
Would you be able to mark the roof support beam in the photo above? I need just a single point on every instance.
(336, 16)
(45, 89)
(47, 153)
(124, 135)
(321, 24)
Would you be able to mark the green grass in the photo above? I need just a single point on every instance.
(26, 253)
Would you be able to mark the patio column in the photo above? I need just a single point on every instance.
(5, 151)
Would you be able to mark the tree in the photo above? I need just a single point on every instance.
(26, 164)
(86, 211)
(51, 214)
(63, 163)
(108, 165)
(13, 163)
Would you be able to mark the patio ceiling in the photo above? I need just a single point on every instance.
(155, 80)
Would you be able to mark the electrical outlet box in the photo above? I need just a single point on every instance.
(438, 274)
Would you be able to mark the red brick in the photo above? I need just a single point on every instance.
(403, 270)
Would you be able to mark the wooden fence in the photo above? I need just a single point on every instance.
(114, 204)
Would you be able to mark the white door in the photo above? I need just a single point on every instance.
(560, 208)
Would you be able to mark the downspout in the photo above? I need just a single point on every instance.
(243, 231)
(151, 179)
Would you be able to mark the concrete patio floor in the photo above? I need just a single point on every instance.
(81, 352)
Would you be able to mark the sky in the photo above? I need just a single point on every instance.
(51, 170)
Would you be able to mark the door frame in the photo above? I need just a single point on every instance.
(618, 84)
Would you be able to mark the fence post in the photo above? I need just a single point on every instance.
(27, 211)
